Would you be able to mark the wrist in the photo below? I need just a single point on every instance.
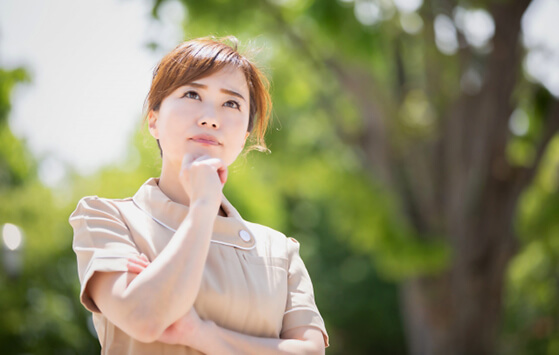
(205, 204)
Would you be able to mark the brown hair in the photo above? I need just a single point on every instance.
(202, 57)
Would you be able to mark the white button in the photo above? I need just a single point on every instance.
(244, 235)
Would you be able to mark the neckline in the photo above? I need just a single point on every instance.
(228, 230)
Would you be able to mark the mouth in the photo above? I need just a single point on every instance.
(205, 139)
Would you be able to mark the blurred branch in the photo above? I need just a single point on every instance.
(401, 79)
(417, 188)
(504, 60)
(550, 130)
(476, 130)
(374, 136)
(302, 44)
(361, 85)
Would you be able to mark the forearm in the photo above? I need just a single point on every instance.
(217, 340)
(173, 278)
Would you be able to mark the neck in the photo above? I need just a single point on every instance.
(170, 184)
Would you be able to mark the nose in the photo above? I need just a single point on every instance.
(209, 119)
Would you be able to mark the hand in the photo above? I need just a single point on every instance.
(203, 177)
(137, 263)
(184, 330)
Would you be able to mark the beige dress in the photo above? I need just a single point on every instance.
(254, 280)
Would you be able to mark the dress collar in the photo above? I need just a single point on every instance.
(230, 230)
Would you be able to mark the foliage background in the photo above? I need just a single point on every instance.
(312, 186)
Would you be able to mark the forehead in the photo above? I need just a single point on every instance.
(231, 78)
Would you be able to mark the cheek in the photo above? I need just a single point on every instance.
(244, 123)
(238, 128)
(176, 118)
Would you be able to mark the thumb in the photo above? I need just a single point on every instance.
(222, 172)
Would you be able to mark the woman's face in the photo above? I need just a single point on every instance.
(206, 117)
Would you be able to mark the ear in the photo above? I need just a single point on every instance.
(152, 124)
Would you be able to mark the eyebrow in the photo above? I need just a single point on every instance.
(225, 91)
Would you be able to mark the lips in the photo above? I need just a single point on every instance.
(205, 139)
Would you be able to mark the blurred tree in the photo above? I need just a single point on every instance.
(15, 161)
(532, 310)
(425, 107)
(39, 313)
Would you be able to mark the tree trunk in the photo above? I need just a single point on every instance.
(459, 311)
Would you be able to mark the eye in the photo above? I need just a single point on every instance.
(191, 95)
(233, 104)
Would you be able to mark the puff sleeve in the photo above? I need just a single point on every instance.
(102, 242)
(301, 308)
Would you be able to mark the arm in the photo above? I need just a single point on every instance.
(133, 302)
(217, 340)
(209, 338)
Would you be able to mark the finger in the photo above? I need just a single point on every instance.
(215, 163)
(134, 268)
(139, 258)
(201, 158)
(141, 263)
(222, 172)
(138, 261)
(188, 159)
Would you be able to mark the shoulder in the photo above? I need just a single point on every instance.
(98, 221)
(260, 231)
(91, 206)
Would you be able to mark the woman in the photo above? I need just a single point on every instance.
(175, 269)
